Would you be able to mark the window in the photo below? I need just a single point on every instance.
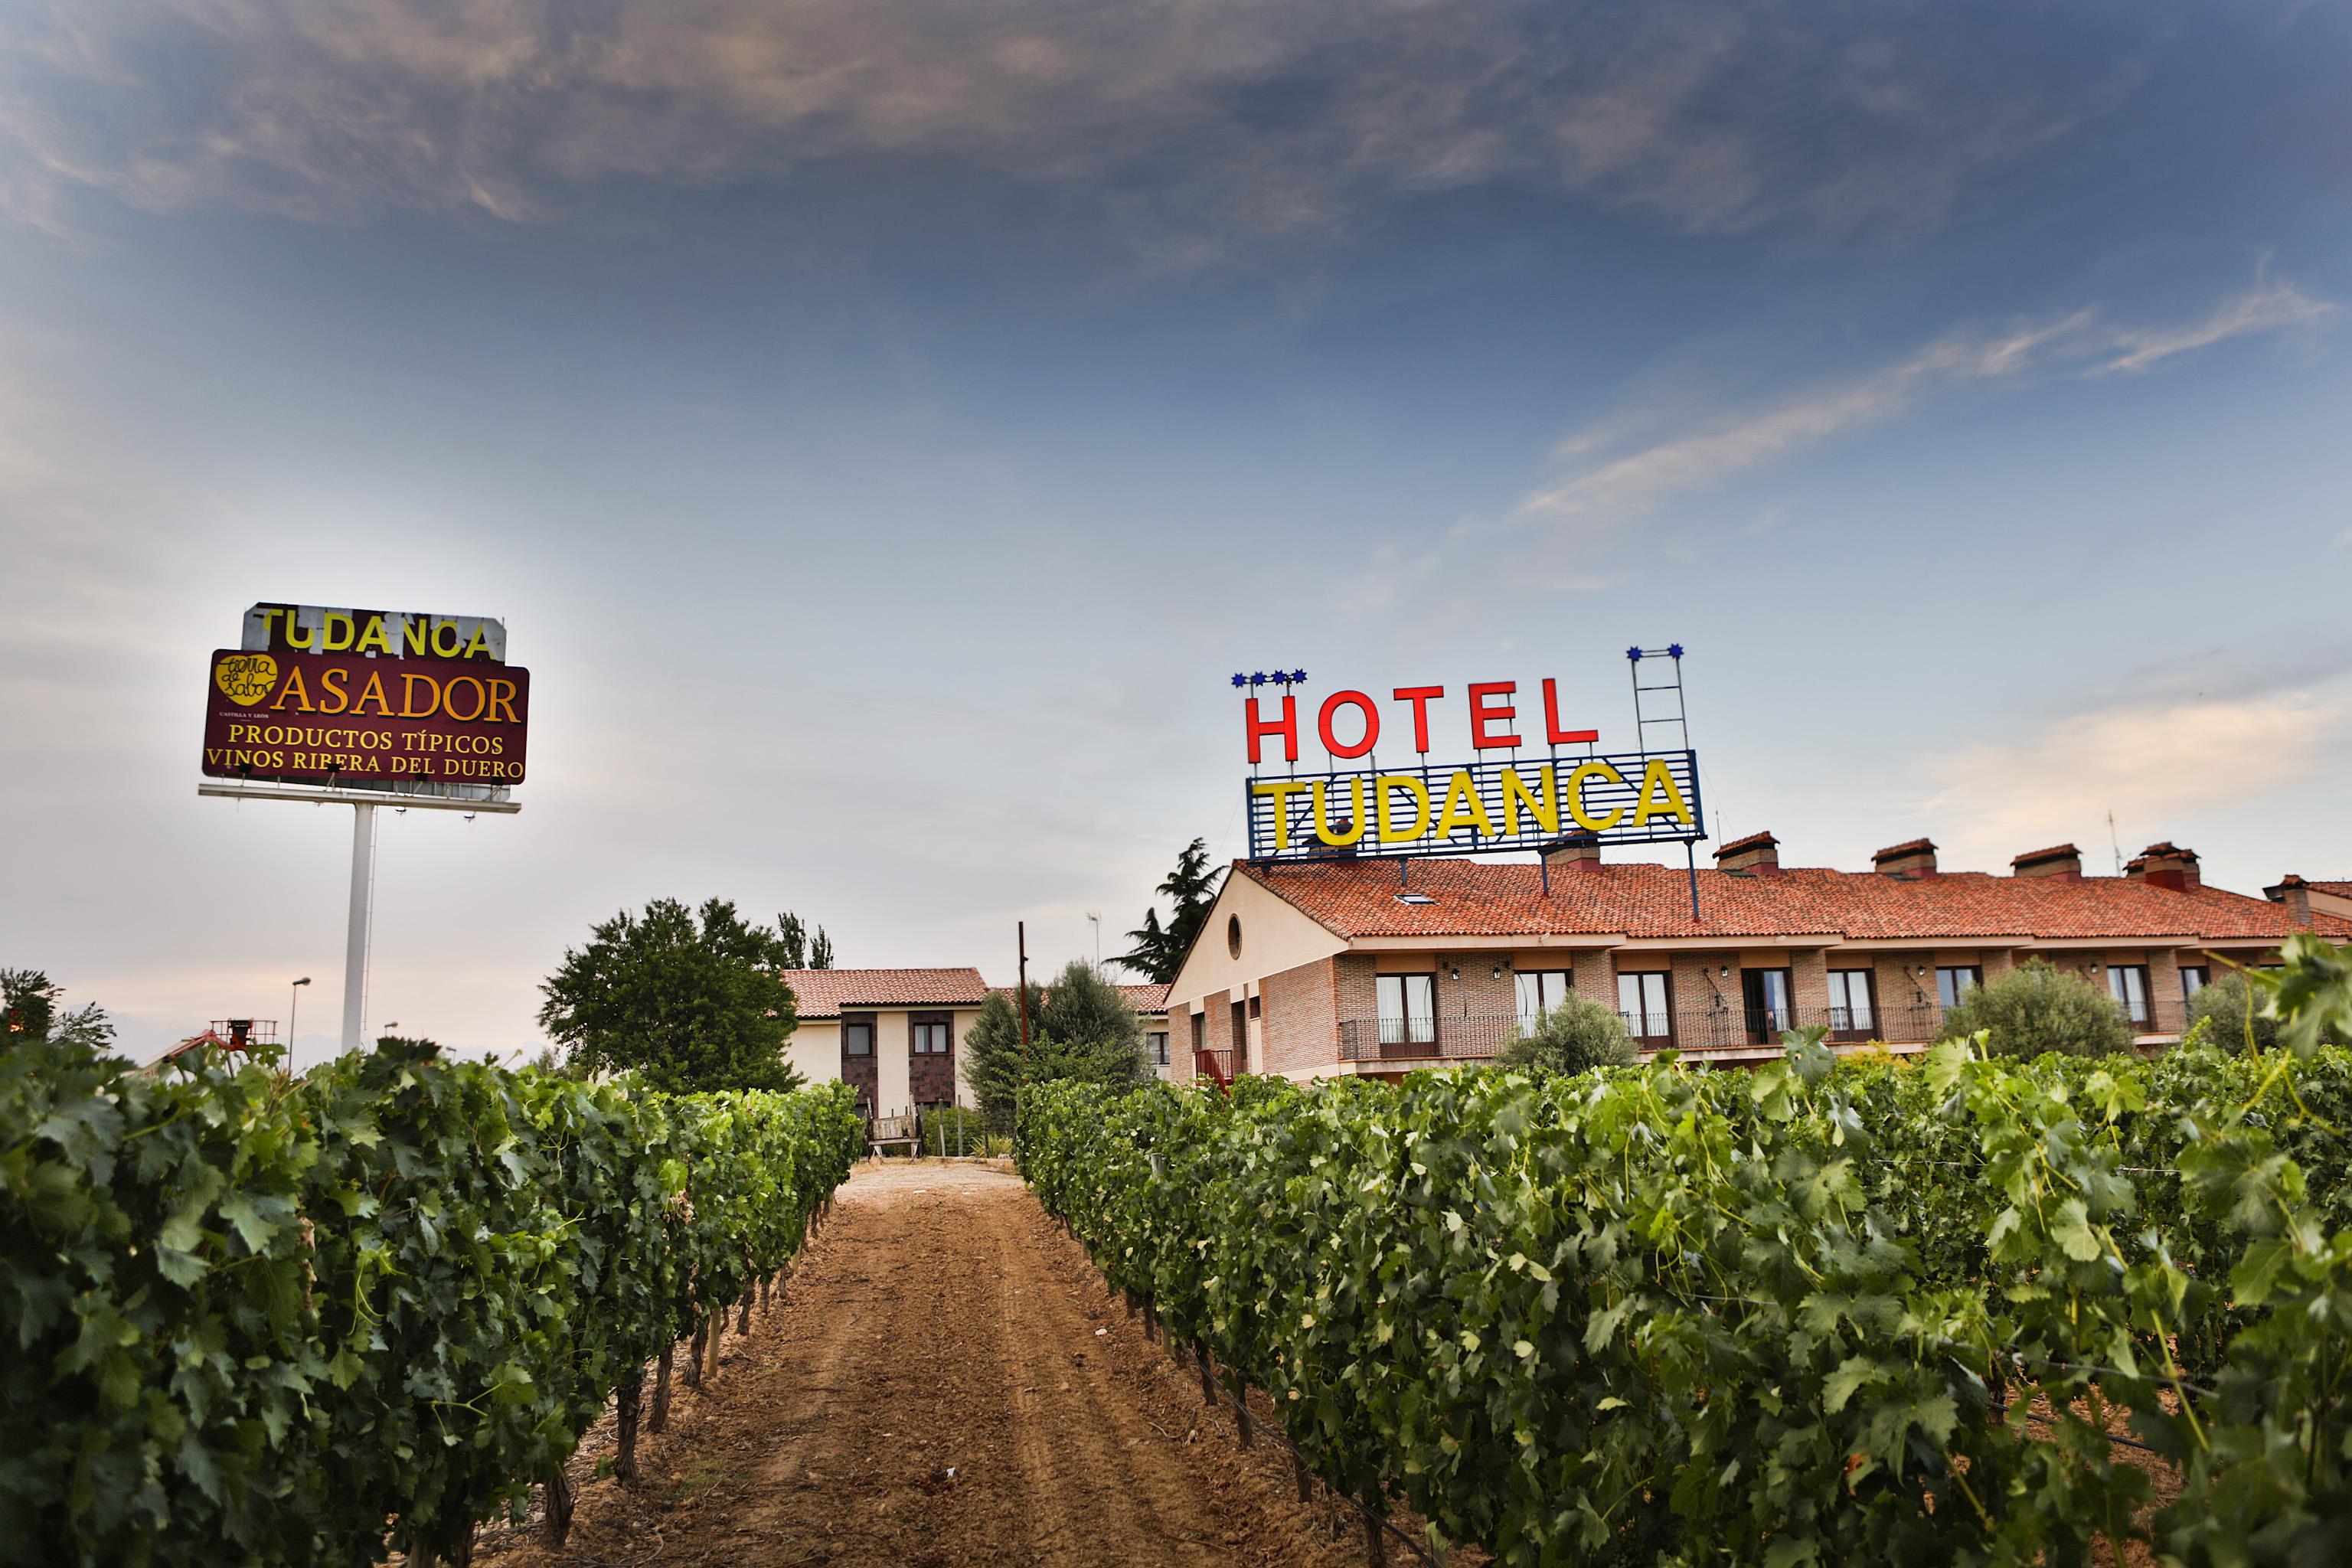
(1850, 1002)
(2194, 977)
(2128, 983)
(857, 1037)
(1540, 990)
(1158, 1041)
(1766, 994)
(1641, 998)
(1200, 1031)
(1955, 982)
(930, 1033)
(1408, 1008)
(1258, 1007)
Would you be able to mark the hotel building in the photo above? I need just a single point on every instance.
(1367, 965)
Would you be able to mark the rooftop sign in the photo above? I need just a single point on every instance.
(1530, 798)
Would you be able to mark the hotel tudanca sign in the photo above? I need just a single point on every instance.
(1533, 781)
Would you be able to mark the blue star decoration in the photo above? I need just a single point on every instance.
(1673, 650)
(1258, 678)
(1299, 676)
(1634, 654)
(1241, 680)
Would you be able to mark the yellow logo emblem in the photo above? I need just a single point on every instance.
(245, 678)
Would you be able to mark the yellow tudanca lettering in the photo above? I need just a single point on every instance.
(481, 646)
(336, 632)
(1279, 791)
(1544, 808)
(1390, 834)
(372, 638)
(1463, 808)
(1659, 779)
(1576, 796)
(1355, 815)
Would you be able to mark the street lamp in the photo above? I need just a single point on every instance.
(293, 1000)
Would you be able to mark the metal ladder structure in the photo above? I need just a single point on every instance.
(1662, 723)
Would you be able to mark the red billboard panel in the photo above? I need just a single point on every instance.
(332, 718)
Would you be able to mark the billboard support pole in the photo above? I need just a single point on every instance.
(355, 941)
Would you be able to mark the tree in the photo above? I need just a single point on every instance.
(1080, 1027)
(792, 931)
(2036, 1008)
(692, 1004)
(1575, 1037)
(1159, 950)
(28, 1012)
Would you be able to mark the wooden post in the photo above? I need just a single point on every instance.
(692, 1375)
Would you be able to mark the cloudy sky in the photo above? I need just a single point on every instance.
(884, 425)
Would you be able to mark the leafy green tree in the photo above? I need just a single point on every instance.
(693, 1004)
(1081, 1028)
(821, 951)
(2035, 1008)
(1192, 889)
(28, 1012)
(2310, 992)
(1575, 1037)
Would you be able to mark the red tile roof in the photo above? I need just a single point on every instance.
(2055, 852)
(1359, 898)
(1143, 999)
(2341, 889)
(1908, 846)
(824, 993)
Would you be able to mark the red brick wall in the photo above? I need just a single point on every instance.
(1299, 1027)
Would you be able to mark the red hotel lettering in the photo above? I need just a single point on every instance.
(1419, 696)
(1356, 700)
(1559, 736)
(1286, 727)
(1482, 714)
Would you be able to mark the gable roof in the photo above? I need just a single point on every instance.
(1358, 897)
(824, 993)
(1143, 999)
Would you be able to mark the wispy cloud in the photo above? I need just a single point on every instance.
(2153, 764)
(1716, 114)
(1622, 468)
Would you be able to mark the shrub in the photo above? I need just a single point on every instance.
(2036, 1008)
(1575, 1037)
(2222, 1007)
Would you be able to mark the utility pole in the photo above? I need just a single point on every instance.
(1021, 937)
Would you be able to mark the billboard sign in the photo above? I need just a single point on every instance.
(351, 718)
(1529, 799)
(275, 628)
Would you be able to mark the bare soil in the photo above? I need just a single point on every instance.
(946, 1382)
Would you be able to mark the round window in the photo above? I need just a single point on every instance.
(1233, 935)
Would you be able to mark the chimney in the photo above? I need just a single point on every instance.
(2059, 863)
(1758, 855)
(1915, 858)
(2295, 894)
(2167, 866)
(1574, 852)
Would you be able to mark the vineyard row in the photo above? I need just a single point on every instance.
(1821, 1312)
(256, 1319)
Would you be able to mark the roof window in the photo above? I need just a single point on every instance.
(1414, 899)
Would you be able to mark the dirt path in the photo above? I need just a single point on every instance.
(947, 1384)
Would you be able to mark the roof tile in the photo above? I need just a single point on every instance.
(1357, 899)
(824, 993)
